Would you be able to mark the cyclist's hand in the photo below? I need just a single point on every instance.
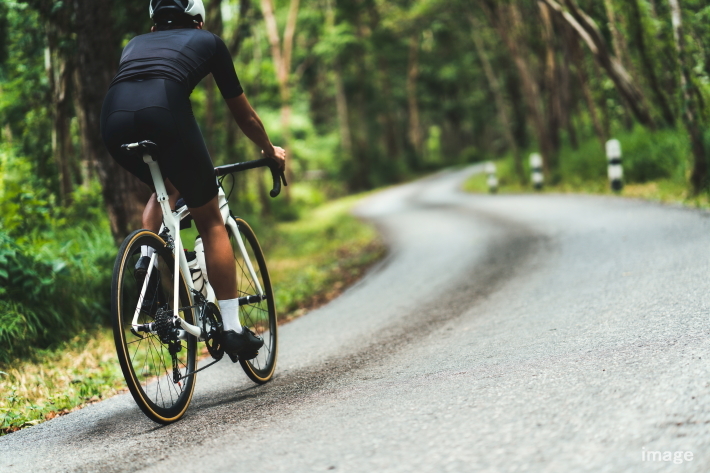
(279, 155)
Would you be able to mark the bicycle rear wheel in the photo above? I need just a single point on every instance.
(150, 370)
(260, 317)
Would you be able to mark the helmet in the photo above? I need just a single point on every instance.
(191, 8)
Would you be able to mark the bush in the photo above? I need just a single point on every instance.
(55, 263)
(647, 156)
(28, 309)
(47, 293)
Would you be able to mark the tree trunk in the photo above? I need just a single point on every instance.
(60, 71)
(617, 39)
(341, 99)
(88, 166)
(97, 51)
(385, 111)
(341, 104)
(691, 117)
(281, 55)
(494, 84)
(622, 53)
(387, 117)
(568, 102)
(415, 128)
(552, 84)
(649, 70)
(214, 14)
(508, 23)
(242, 29)
(587, 30)
(576, 55)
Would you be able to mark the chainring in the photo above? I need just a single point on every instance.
(212, 326)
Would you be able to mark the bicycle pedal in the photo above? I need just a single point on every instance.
(235, 358)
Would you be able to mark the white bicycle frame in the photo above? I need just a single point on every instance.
(171, 221)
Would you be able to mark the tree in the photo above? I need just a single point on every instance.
(508, 22)
(496, 89)
(588, 31)
(281, 54)
(691, 115)
(97, 48)
(60, 67)
(649, 69)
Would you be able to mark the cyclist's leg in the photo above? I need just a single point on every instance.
(186, 162)
(221, 267)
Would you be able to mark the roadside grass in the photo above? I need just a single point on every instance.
(311, 261)
(666, 191)
(76, 373)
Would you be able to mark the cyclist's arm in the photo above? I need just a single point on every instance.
(222, 69)
(253, 128)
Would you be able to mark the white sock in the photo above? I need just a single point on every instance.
(230, 314)
(149, 251)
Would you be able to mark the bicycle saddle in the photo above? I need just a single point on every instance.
(144, 147)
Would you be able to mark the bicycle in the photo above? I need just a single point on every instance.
(156, 345)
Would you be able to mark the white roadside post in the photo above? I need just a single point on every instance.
(536, 169)
(492, 178)
(615, 170)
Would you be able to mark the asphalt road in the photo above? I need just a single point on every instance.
(502, 333)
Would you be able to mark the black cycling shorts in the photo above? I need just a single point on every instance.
(159, 110)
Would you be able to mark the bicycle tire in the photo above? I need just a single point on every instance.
(144, 358)
(261, 316)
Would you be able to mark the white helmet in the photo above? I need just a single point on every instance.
(191, 8)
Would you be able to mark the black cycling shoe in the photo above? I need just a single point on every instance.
(245, 345)
(153, 296)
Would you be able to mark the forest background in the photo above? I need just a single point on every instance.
(362, 93)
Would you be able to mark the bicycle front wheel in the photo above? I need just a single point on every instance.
(259, 316)
(153, 362)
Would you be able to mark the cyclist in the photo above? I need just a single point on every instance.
(149, 100)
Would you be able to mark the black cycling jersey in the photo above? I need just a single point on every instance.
(184, 55)
(149, 100)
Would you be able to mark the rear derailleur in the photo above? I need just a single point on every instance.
(169, 334)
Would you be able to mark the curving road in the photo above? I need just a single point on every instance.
(502, 333)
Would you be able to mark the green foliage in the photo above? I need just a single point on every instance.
(55, 262)
(26, 206)
(24, 92)
(28, 297)
(50, 291)
(649, 156)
